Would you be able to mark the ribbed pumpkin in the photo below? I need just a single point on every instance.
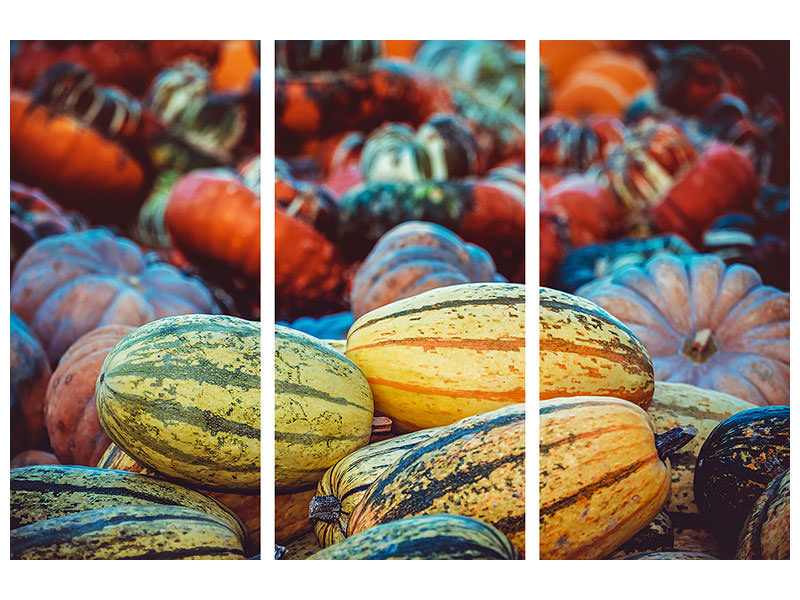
(590, 93)
(627, 70)
(765, 534)
(474, 467)
(568, 144)
(30, 374)
(216, 218)
(705, 324)
(345, 483)
(183, 396)
(323, 409)
(585, 351)
(67, 285)
(603, 475)
(71, 409)
(559, 56)
(676, 404)
(415, 257)
(445, 354)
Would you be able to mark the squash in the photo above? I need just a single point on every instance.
(66, 285)
(424, 537)
(445, 354)
(323, 409)
(415, 257)
(291, 515)
(300, 549)
(183, 396)
(737, 461)
(451, 146)
(704, 324)
(392, 153)
(673, 555)
(568, 144)
(474, 468)
(585, 351)
(30, 374)
(603, 474)
(656, 536)
(70, 407)
(765, 534)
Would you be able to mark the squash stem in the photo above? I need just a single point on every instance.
(673, 440)
(325, 508)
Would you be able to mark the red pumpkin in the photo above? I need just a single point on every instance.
(70, 413)
(704, 324)
(67, 285)
(30, 373)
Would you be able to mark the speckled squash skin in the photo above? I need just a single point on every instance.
(585, 351)
(301, 548)
(323, 409)
(474, 468)
(677, 404)
(765, 534)
(182, 395)
(425, 537)
(656, 536)
(737, 461)
(600, 476)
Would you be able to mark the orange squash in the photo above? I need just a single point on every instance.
(589, 93)
(627, 70)
(559, 56)
(237, 65)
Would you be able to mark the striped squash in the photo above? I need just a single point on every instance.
(683, 404)
(344, 484)
(601, 476)
(474, 467)
(291, 516)
(426, 537)
(656, 536)
(323, 409)
(128, 532)
(182, 395)
(585, 351)
(445, 354)
(45, 492)
(115, 458)
(301, 548)
(765, 534)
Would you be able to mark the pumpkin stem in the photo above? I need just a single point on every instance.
(701, 347)
(325, 508)
(673, 440)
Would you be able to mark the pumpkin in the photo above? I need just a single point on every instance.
(415, 257)
(325, 55)
(627, 70)
(765, 534)
(705, 324)
(559, 56)
(67, 285)
(71, 409)
(451, 146)
(237, 64)
(30, 373)
(568, 144)
(590, 93)
(392, 153)
(216, 218)
(736, 463)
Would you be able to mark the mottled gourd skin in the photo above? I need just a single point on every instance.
(737, 461)
(766, 532)
(323, 409)
(585, 351)
(182, 395)
(474, 468)
(445, 354)
(676, 404)
(425, 537)
(128, 532)
(600, 477)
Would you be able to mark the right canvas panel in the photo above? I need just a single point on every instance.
(664, 299)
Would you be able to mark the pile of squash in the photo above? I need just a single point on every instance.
(664, 323)
(400, 343)
(135, 259)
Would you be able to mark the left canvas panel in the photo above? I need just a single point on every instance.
(135, 299)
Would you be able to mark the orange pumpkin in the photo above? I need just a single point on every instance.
(589, 93)
(559, 56)
(627, 70)
(237, 65)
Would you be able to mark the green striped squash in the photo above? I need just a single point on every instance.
(128, 532)
(474, 467)
(427, 537)
(323, 409)
(182, 395)
(43, 492)
(445, 354)
(765, 534)
(344, 484)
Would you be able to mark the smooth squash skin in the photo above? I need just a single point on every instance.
(182, 395)
(426, 537)
(600, 476)
(585, 351)
(445, 354)
(323, 409)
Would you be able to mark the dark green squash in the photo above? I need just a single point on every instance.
(766, 532)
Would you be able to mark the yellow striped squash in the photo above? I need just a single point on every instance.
(182, 396)
(474, 468)
(683, 404)
(445, 354)
(585, 351)
(345, 483)
(601, 478)
(323, 409)
(128, 532)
